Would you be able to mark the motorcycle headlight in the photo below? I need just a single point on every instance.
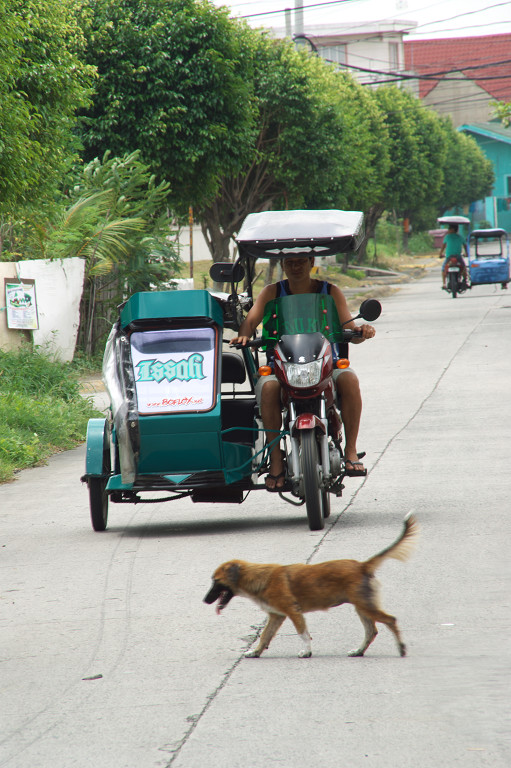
(303, 375)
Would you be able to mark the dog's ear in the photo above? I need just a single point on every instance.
(233, 573)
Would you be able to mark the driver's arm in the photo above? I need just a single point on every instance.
(254, 316)
(345, 315)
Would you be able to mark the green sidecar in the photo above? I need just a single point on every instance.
(183, 411)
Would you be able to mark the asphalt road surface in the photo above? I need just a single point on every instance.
(109, 657)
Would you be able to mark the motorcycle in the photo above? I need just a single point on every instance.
(456, 282)
(299, 332)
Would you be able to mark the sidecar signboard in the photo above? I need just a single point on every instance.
(174, 370)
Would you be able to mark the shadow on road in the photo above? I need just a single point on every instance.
(208, 527)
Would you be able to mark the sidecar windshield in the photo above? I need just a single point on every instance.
(303, 313)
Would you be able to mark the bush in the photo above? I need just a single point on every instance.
(422, 242)
(41, 409)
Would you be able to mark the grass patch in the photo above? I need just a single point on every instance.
(41, 409)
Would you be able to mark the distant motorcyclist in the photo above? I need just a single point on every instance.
(453, 247)
(297, 271)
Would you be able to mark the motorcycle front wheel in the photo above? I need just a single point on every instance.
(314, 502)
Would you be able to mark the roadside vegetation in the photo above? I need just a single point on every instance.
(41, 409)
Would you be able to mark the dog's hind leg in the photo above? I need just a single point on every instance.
(370, 634)
(368, 617)
(270, 630)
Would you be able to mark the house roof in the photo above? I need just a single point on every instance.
(485, 60)
(493, 130)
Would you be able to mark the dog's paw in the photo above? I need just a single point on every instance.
(356, 654)
(252, 654)
(305, 654)
(402, 649)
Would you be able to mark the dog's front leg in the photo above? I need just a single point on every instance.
(301, 628)
(270, 630)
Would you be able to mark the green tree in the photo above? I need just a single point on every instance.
(42, 84)
(312, 144)
(416, 150)
(173, 84)
(468, 173)
(236, 121)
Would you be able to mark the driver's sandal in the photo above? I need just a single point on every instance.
(353, 472)
(276, 488)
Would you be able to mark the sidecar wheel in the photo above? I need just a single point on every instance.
(98, 502)
(98, 497)
(310, 473)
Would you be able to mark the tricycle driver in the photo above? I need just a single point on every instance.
(452, 247)
(297, 271)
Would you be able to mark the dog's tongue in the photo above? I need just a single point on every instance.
(218, 609)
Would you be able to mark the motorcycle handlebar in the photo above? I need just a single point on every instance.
(348, 335)
(252, 343)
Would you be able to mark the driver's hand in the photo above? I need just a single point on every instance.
(239, 340)
(367, 331)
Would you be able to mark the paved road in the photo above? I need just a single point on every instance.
(110, 658)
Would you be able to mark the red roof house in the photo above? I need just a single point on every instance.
(461, 76)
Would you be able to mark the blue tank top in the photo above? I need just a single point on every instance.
(283, 288)
(339, 350)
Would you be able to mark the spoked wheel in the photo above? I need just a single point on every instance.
(98, 497)
(314, 501)
(453, 284)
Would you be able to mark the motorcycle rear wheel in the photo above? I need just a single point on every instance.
(310, 472)
(453, 284)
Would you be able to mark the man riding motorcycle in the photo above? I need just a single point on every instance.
(452, 247)
(268, 392)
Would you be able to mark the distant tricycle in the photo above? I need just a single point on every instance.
(488, 257)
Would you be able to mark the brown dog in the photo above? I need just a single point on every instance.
(292, 590)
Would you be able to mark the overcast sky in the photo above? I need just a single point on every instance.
(436, 18)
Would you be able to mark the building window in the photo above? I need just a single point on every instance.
(334, 53)
(394, 56)
(508, 186)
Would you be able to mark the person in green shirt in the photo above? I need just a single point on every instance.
(453, 246)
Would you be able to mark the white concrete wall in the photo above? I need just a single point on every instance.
(59, 286)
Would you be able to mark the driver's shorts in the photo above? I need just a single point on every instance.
(263, 379)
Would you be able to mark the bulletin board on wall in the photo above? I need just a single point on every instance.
(21, 304)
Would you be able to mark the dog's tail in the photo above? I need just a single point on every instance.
(401, 549)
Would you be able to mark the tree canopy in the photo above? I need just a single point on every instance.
(173, 83)
(43, 82)
(234, 120)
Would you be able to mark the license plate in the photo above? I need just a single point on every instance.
(454, 269)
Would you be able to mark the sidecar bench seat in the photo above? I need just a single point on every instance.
(233, 369)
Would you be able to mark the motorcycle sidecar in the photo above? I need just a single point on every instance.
(180, 420)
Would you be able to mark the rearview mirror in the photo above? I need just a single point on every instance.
(226, 272)
(370, 310)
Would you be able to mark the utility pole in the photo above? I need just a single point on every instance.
(289, 26)
(298, 17)
(190, 224)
